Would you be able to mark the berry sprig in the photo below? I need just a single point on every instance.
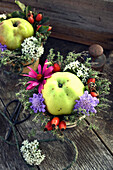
(37, 20)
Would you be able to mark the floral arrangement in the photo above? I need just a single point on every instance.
(23, 34)
(64, 91)
(31, 152)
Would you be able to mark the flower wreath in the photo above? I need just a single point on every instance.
(92, 99)
(36, 32)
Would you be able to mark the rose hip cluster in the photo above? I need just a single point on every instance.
(92, 87)
(38, 18)
(55, 123)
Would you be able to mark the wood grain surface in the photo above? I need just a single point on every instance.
(93, 149)
(81, 21)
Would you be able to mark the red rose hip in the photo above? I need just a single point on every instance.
(55, 121)
(39, 17)
(94, 94)
(48, 127)
(38, 27)
(91, 80)
(50, 28)
(56, 67)
(31, 19)
(62, 125)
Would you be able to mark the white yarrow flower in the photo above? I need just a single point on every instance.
(25, 142)
(3, 16)
(76, 64)
(79, 73)
(31, 153)
(78, 69)
(31, 47)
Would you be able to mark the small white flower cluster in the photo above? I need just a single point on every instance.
(31, 153)
(79, 69)
(31, 48)
(3, 16)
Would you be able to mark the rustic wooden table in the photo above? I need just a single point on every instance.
(95, 146)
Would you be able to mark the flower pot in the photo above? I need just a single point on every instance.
(33, 65)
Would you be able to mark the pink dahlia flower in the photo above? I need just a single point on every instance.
(40, 78)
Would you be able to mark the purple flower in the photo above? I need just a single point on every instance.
(37, 103)
(86, 104)
(3, 47)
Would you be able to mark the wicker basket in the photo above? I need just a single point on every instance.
(71, 125)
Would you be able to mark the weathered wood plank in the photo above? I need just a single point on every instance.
(81, 21)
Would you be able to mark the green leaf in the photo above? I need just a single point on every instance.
(44, 20)
(1, 20)
(28, 8)
(43, 29)
(17, 14)
(21, 5)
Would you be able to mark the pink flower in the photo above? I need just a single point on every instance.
(39, 78)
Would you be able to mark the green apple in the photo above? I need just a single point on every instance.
(60, 92)
(13, 31)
